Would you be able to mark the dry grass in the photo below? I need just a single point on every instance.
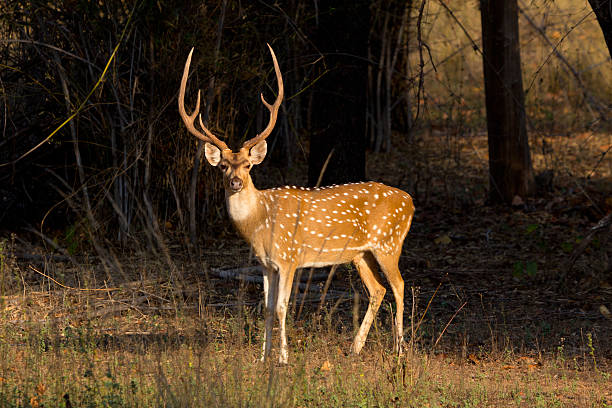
(166, 334)
(180, 359)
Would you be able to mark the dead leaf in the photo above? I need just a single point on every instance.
(527, 360)
(473, 359)
(41, 388)
(517, 201)
(605, 311)
(326, 366)
(443, 240)
(509, 367)
(442, 356)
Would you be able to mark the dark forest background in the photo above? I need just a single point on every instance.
(123, 282)
(122, 170)
(96, 161)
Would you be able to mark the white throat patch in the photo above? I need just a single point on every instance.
(240, 205)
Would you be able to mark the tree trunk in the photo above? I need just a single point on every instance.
(603, 11)
(339, 97)
(510, 168)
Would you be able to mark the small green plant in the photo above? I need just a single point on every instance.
(560, 357)
(592, 350)
(71, 237)
(522, 270)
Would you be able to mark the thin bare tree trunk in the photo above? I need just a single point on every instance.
(191, 202)
(339, 95)
(94, 226)
(510, 169)
(380, 116)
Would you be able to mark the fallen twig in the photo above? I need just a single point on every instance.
(605, 222)
(236, 274)
(247, 273)
(70, 287)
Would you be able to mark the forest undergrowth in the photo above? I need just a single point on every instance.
(504, 305)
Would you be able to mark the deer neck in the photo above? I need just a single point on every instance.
(246, 209)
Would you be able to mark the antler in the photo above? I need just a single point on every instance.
(272, 108)
(189, 119)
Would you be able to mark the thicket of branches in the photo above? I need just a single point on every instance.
(92, 149)
(124, 161)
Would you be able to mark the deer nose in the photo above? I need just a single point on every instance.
(236, 183)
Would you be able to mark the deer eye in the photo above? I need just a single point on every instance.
(248, 166)
(223, 166)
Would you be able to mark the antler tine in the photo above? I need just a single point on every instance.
(189, 119)
(272, 108)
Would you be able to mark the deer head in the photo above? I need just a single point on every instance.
(235, 166)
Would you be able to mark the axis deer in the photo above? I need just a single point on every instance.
(298, 227)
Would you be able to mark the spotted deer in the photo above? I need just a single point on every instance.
(298, 227)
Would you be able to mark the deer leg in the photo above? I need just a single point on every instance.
(270, 279)
(284, 293)
(389, 266)
(368, 271)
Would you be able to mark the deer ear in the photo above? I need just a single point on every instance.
(258, 152)
(212, 153)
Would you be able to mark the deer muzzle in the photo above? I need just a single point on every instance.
(235, 184)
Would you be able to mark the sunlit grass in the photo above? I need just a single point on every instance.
(213, 361)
